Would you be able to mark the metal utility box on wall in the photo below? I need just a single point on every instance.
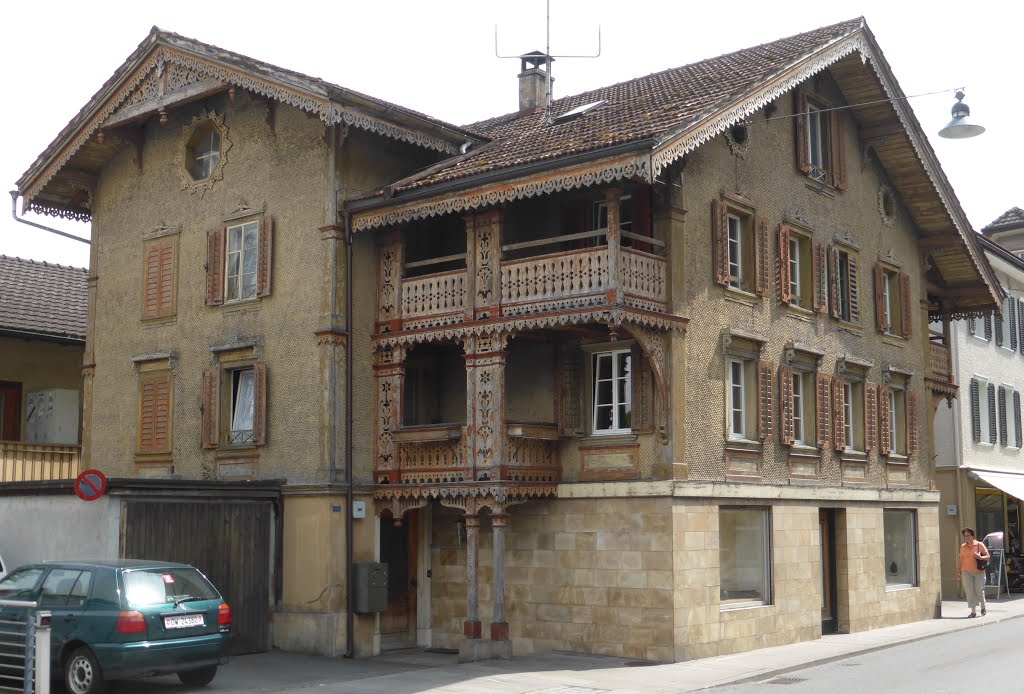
(371, 587)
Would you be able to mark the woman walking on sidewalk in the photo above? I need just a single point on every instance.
(967, 571)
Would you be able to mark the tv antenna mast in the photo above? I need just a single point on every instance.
(547, 59)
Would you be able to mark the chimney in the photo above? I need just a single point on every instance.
(533, 80)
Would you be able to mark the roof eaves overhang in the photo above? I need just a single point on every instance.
(624, 161)
(43, 336)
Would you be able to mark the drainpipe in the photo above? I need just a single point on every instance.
(349, 541)
(14, 213)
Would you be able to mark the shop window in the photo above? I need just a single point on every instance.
(988, 513)
(900, 548)
(745, 557)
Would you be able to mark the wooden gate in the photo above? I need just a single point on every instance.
(228, 540)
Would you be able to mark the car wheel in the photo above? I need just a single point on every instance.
(198, 678)
(82, 674)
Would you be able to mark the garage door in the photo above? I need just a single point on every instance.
(228, 540)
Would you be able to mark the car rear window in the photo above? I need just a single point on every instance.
(160, 586)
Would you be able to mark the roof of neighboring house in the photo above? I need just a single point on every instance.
(1013, 218)
(655, 106)
(43, 300)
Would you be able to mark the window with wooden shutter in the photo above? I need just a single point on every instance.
(988, 326)
(158, 296)
(972, 326)
(720, 241)
(211, 408)
(572, 370)
(823, 408)
(839, 414)
(786, 432)
(259, 416)
(264, 263)
(155, 413)
(1002, 416)
(992, 413)
(852, 291)
(837, 155)
(820, 252)
(762, 272)
(870, 415)
(642, 385)
(912, 423)
(1018, 438)
(215, 266)
(765, 401)
(906, 315)
(1011, 311)
(999, 331)
(1020, 325)
(884, 422)
(785, 286)
(975, 411)
(803, 162)
(835, 284)
(879, 298)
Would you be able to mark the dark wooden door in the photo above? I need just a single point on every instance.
(398, 549)
(826, 528)
(10, 411)
(229, 541)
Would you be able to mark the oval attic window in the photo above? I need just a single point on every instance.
(202, 152)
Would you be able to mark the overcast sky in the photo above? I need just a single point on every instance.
(438, 57)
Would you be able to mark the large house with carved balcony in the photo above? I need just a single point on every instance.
(646, 374)
(42, 336)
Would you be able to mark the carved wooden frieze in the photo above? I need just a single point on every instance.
(389, 284)
(483, 245)
(389, 370)
(485, 403)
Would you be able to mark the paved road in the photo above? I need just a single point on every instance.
(976, 660)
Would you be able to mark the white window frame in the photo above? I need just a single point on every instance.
(736, 399)
(849, 425)
(616, 402)
(887, 301)
(799, 431)
(737, 553)
(795, 280)
(735, 241)
(234, 284)
(815, 143)
(238, 437)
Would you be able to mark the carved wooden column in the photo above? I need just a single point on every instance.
(471, 627)
(331, 337)
(499, 623)
(484, 434)
(89, 363)
(483, 264)
(390, 261)
(611, 197)
(389, 371)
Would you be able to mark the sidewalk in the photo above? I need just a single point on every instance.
(409, 672)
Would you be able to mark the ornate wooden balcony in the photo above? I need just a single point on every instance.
(25, 462)
(939, 365)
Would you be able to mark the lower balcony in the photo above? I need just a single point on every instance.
(31, 462)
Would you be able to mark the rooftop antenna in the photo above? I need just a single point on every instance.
(548, 59)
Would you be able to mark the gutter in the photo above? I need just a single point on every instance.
(14, 213)
(349, 568)
(42, 337)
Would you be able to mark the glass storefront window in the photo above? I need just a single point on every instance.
(900, 549)
(988, 505)
(745, 557)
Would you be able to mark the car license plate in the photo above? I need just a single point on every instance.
(182, 621)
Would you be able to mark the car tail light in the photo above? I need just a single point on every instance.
(131, 623)
(224, 614)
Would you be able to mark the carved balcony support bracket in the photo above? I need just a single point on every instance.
(655, 346)
(389, 371)
(485, 404)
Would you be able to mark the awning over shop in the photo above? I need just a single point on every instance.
(1010, 482)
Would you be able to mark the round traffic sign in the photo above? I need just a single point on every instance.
(90, 485)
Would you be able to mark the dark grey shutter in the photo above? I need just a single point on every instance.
(1011, 307)
(988, 326)
(1002, 415)
(972, 326)
(1020, 324)
(975, 412)
(999, 329)
(1016, 418)
(992, 413)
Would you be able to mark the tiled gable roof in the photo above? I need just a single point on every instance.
(1013, 217)
(43, 299)
(655, 106)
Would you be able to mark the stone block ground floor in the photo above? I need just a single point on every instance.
(660, 571)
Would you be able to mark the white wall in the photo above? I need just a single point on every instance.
(39, 527)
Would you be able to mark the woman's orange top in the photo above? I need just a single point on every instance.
(967, 558)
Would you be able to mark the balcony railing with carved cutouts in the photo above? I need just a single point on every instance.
(531, 453)
(939, 365)
(27, 462)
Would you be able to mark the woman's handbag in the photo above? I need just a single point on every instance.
(982, 563)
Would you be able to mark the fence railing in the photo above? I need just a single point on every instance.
(28, 462)
(24, 648)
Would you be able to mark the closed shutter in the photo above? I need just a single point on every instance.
(879, 299)
(762, 255)
(800, 108)
(854, 297)
(823, 409)
(838, 415)
(641, 384)
(764, 400)
(991, 413)
(870, 416)
(265, 263)
(785, 293)
(884, 422)
(975, 411)
(835, 286)
(988, 326)
(215, 266)
(720, 241)
(906, 314)
(999, 329)
(1016, 419)
(972, 326)
(1020, 325)
(155, 414)
(1011, 308)
(572, 371)
(158, 290)
(819, 275)
(912, 427)
(211, 408)
(786, 427)
(1002, 416)
(259, 396)
(837, 158)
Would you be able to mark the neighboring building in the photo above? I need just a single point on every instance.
(42, 337)
(506, 342)
(979, 466)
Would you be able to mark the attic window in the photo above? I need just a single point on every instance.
(579, 111)
(202, 152)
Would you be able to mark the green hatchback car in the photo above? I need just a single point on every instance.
(126, 618)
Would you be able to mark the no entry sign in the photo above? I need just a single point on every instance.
(90, 485)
